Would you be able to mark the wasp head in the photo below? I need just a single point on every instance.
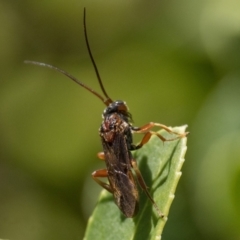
(118, 107)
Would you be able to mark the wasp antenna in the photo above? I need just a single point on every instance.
(68, 75)
(108, 100)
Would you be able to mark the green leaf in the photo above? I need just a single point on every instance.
(160, 164)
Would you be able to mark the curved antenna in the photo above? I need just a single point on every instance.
(69, 76)
(108, 100)
(105, 101)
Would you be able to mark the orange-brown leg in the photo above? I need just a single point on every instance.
(101, 173)
(101, 155)
(150, 125)
(146, 129)
(144, 186)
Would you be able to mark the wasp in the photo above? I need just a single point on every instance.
(116, 133)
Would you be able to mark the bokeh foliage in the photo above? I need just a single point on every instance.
(174, 62)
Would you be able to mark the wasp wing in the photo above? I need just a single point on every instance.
(118, 161)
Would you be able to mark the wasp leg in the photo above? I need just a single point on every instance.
(101, 155)
(102, 173)
(146, 129)
(150, 125)
(144, 186)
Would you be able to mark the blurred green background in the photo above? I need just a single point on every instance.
(175, 62)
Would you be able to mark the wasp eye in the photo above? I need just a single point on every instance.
(122, 107)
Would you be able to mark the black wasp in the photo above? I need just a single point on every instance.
(116, 135)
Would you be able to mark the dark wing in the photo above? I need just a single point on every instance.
(120, 176)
